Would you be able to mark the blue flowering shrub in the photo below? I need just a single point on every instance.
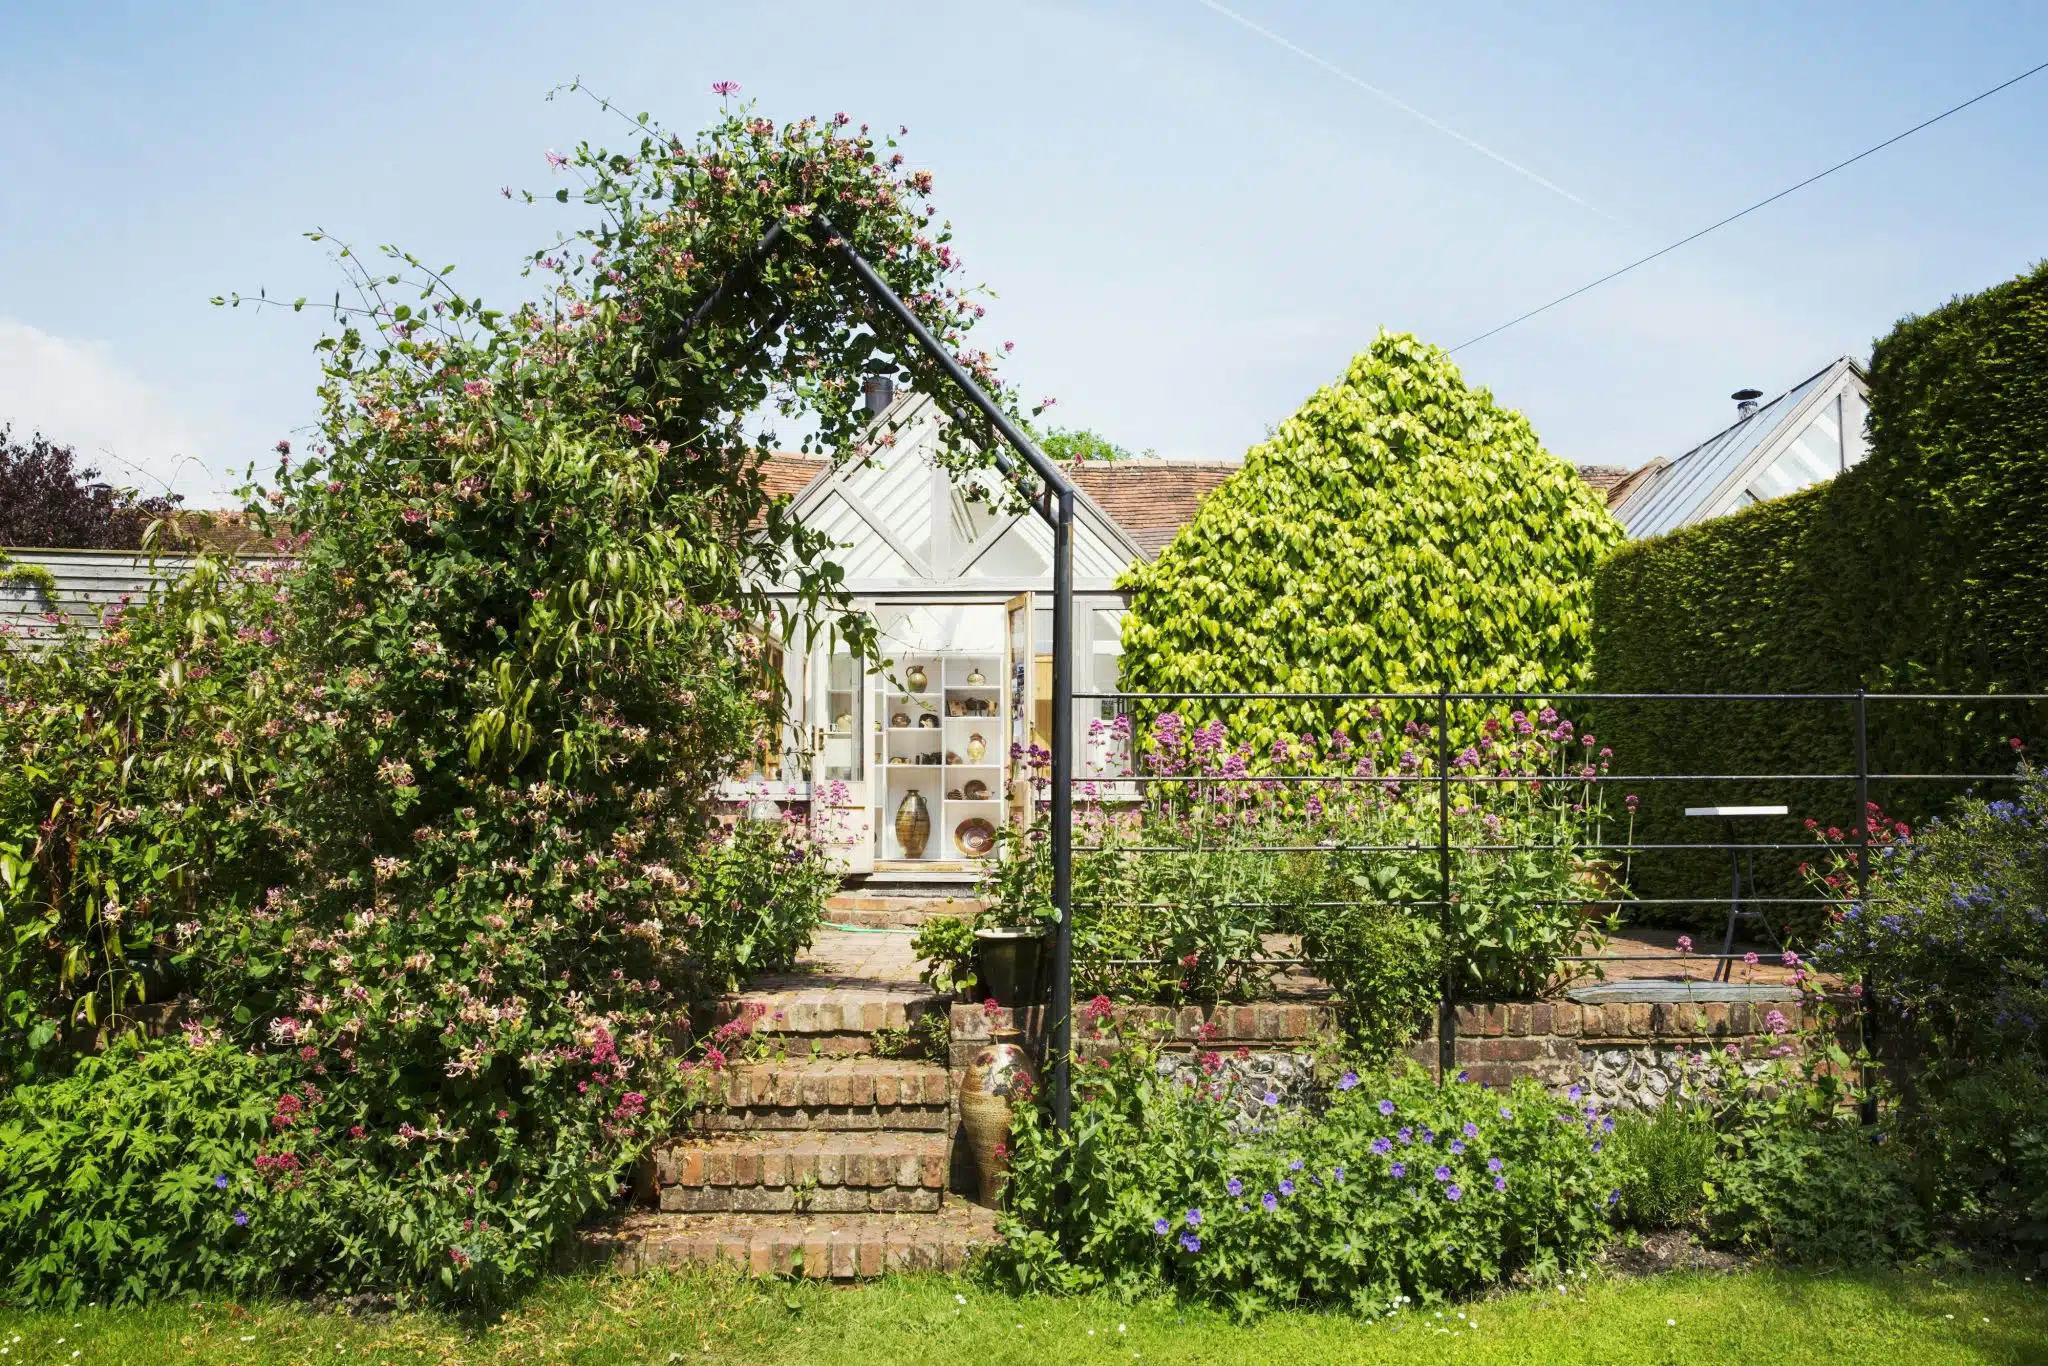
(1951, 946)
(1953, 939)
(1396, 1188)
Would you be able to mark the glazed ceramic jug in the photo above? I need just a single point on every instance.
(976, 747)
(915, 678)
(913, 824)
(999, 1079)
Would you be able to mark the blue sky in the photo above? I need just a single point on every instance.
(1189, 226)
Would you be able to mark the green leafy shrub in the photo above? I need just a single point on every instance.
(1400, 532)
(946, 947)
(1982, 1148)
(1921, 570)
(1664, 1165)
(1952, 940)
(1837, 1194)
(1398, 1189)
(122, 1181)
(428, 821)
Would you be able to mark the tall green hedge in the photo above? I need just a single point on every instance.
(1402, 531)
(1925, 569)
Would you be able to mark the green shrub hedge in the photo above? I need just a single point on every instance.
(1925, 569)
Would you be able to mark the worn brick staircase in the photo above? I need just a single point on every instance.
(826, 1160)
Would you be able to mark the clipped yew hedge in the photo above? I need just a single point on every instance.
(1401, 532)
(1925, 569)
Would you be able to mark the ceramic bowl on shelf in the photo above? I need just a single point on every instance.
(953, 795)
(901, 720)
(975, 790)
(928, 721)
(974, 836)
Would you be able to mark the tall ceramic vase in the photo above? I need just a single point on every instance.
(913, 824)
(999, 1079)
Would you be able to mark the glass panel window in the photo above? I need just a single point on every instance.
(900, 494)
(1814, 455)
(863, 553)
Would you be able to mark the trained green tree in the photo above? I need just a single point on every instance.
(1401, 532)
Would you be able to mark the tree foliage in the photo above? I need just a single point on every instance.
(46, 500)
(1400, 532)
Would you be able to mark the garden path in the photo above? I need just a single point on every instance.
(832, 1155)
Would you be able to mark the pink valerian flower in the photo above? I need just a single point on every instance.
(1098, 1009)
(1776, 1023)
(1685, 943)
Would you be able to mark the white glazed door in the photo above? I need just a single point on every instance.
(842, 801)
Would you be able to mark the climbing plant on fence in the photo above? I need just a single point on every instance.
(1401, 532)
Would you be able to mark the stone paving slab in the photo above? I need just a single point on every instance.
(832, 1246)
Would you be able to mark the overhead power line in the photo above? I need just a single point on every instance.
(1744, 213)
(1341, 74)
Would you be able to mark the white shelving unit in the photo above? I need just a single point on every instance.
(928, 744)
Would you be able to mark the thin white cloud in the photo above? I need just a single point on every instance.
(77, 394)
(1397, 102)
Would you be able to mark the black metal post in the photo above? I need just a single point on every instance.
(1447, 1009)
(1063, 806)
(1865, 1021)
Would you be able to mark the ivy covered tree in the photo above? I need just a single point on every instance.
(1401, 532)
(47, 500)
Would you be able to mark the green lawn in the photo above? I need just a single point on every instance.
(1762, 1317)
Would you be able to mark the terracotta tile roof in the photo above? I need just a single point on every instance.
(787, 473)
(1613, 480)
(1151, 499)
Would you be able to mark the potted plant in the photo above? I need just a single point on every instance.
(1018, 918)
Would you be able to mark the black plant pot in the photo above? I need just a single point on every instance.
(1008, 961)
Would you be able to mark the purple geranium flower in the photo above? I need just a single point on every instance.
(1190, 1243)
(1500, 1183)
(1161, 1227)
(1428, 1134)
(1613, 1196)
(1348, 1080)
(1574, 1093)
(1386, 1107)
(1398, 1170)
(241, 1218)
(220, 1183)
(1443, 1173)
(1295, 1165)
(1471, 1129)
(1506, 1113)
(1287, 1188)
(1337, 1174)
(1194, 1218)
(1383, 1146)
(1457, 1147)
(1271, 1098)
(1452, 1193)
(1493, 1164)
(1234, 1186)
(1406, 1135)
(1270, 1201)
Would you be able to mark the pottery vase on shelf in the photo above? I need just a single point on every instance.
(915, 678)
(976, 747)
(999, 1079)
(913, 824)
(975, 679)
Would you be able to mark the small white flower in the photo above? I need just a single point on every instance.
(959, 1299)
(1120, 1327)
(1671, 1323)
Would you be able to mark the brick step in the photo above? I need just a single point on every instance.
(883, 912)
(839, 1094)
(826, 1020)
(782, 1172)
(834, 1246)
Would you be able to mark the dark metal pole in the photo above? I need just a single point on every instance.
(1447, 1010)
(1866, 1022)
(1063, 804)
